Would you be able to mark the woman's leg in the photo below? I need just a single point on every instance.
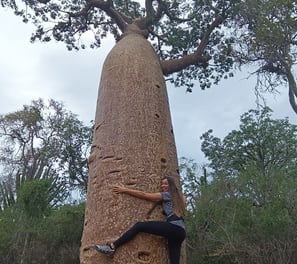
(174, 245)
(152, 227)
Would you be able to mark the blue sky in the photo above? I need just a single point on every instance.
(31, 71)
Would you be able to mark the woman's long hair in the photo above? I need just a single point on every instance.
(179, 206)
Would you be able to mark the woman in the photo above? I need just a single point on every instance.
(173, 228)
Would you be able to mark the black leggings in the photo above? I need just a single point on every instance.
(174, 234)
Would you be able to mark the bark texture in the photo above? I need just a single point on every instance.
(133, 145)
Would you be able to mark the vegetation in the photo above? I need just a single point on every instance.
(51, 237)
(43, 142)
(241, 205)
(243, 210)
(43, 158)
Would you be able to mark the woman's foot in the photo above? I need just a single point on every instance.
(105, 249)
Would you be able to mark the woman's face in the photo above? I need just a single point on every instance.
(164, 185)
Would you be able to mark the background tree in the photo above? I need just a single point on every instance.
(246, 211)
(194, 40)
(42, 142)
(260, 142)
(43, 158)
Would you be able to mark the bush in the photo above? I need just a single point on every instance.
(51, 239)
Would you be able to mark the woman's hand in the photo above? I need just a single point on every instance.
(155, 197)
(118, 189)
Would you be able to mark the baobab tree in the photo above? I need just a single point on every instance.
(133, 141)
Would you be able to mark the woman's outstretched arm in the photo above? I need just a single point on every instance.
(155, 197)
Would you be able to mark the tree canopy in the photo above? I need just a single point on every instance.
(195, 40)
(185, 34)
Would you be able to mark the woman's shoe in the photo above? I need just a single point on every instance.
(105, 249)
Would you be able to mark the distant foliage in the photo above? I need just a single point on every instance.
(53, 238)
(245, 211)
(43, 157)
(43, 142)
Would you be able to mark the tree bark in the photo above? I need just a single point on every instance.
(133, 145)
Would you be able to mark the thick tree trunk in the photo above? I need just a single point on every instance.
(134, 146)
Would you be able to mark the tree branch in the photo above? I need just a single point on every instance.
(177, 19)
(149, 8)
(152, 15)
(160, 10)
(166, 10)
(108, 8)
(126, 18)
(171, 66)
(292, 87)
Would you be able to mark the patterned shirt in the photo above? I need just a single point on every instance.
(168, 210)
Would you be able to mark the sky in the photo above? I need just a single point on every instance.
(49, 71)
